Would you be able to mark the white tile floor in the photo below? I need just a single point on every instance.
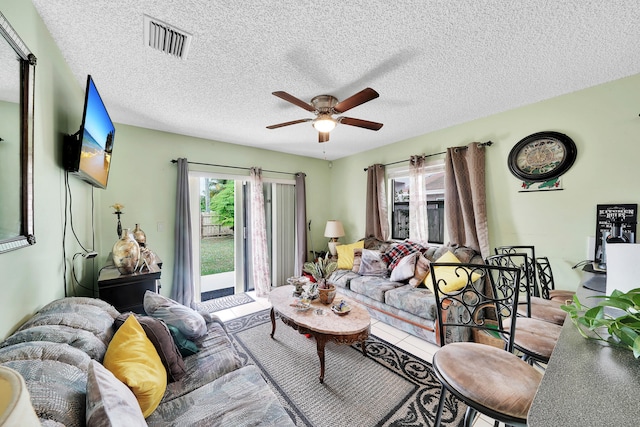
(405, 341)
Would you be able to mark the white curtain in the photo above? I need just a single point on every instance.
(418, 222)
(259, 253)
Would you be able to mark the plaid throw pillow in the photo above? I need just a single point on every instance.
(393, 256)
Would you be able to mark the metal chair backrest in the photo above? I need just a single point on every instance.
(520, 261)
(531, 253)
(468, 305)
(545, 275)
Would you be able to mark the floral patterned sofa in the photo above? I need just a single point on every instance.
(406, 304)
(61, 353)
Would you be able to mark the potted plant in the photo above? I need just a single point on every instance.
(320, 271)
(619, 325)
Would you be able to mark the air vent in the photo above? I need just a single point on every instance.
(165, 38)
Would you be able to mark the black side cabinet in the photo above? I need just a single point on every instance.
(126, 291)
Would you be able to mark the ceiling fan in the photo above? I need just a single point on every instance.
(325, 106)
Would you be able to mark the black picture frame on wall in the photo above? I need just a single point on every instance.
(606, 214)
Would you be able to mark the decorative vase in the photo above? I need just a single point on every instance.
(126, 253)
(327, 295)
(139, 235)
(119, 226)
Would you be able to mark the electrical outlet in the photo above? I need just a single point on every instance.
(160, 227)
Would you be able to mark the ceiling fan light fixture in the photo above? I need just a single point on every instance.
(324, 123)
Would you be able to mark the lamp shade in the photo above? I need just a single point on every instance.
(333, 229)
(15, 400)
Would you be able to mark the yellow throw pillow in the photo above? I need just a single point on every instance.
(345, 254)
(454, 280)
(133, 359)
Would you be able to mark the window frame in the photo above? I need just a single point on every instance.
(402, 172)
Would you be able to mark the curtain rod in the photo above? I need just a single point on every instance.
(480, 144)
(233, 167)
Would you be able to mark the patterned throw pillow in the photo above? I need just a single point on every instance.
(421, 271)
(393, 256)
(371, 264)
(405, 268)
(109, 401)
(190, 322)
(357, 259)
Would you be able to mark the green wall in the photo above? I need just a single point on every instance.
(603, 121)
(34, 276)
(144, 180)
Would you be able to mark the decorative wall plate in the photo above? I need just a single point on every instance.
(542, 156)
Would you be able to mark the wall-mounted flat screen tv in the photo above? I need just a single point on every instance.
(88, 152)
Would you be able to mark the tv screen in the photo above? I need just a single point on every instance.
(91, 156)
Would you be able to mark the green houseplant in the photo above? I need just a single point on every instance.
(615, 319)
(321, 269)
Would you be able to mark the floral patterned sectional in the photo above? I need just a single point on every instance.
(66, 350)
(389, 279)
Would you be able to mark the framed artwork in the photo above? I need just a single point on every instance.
(606, 214)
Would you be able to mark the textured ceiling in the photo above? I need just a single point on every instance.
(435, 63)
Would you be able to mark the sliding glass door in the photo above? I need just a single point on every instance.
(279, 205)
(221, 229)
(216, 237)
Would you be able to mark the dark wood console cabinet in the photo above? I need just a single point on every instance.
(126, 291)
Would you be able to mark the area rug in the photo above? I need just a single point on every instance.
(389, 387)
(223, 303)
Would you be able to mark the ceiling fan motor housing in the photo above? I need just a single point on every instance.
(324, 103)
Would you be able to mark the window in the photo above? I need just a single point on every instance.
(400, 194)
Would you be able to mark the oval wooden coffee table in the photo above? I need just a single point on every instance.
(348, 329)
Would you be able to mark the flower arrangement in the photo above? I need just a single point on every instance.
(320, 270)
(118, 207)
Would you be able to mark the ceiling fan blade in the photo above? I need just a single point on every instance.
(294, 122)
(360, 123)
(361, 97)
(292, 99)
(323, 136)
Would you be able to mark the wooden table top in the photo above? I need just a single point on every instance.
(328, 322)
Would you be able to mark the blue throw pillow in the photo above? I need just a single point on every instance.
(185, 346)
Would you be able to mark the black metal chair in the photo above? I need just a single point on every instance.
(534, 337)
(537, 307)
(530, 251)
(489, 380)
(547, 286)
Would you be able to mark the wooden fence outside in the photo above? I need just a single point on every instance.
(208, 227)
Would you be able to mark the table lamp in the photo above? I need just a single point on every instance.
(15, 400)
(333, 230)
